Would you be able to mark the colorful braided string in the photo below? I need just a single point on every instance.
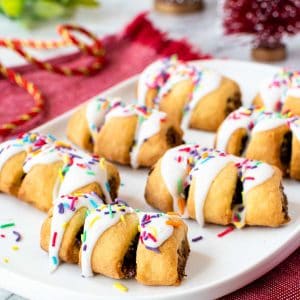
(94, 49)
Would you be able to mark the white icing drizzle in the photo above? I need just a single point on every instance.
(154, 76)
(294, 89)
(295, 127)
(204, 175)
(275, 90)
(146, 128)
(154, 230)
(164, 74)
(96, 223)
(206, 81)
(64, 209)
(253, 120)
(26, 143)
(79, 169)
(174, 164)
(186, 162)
(238, 119)
(100, 111)
(96, 111)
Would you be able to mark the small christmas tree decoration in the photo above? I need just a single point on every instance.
(267, 20)
(178, 6)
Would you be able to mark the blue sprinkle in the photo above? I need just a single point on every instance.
(61, 208)
(93, 203)
(54, 260)
(107, 186)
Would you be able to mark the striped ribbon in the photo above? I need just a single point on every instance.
(94, 49)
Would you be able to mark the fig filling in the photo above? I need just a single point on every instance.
(78, 237)
(183, 253)
(284, 203)
(233, 103)
(173, 138)
(286, 149)
(243, 144)
(237, 198)
(129, 262)
(112, 182)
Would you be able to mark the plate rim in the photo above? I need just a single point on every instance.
(221, 287)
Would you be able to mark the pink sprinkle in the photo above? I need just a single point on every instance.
(54, 239)
(226, 231)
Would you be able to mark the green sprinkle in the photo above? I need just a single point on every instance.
(179, 186)
(7, 225)
(90, 172)
(83, 236)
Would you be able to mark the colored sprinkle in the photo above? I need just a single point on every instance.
(15, 248)
(174, 222)
(122, 218)
(110, 211)
(119, 286)
(5, 260)
(179, 186)
(90, 173)
(107, 186)
(226, 231)
(54, 239)
(93, 203)
(7, 225)
(198, 238)
(54, 260)
(153, 249)
(95, 219)
(83, 236)
(84, 247)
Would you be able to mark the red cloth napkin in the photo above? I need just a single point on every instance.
(128, 53)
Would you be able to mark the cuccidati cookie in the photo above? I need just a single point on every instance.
(116, 240)
(124, 133)
(38, 168)
(213, 187)
(280, 93)
(263, 135)
(194, 97)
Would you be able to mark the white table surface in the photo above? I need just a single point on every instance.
(202, 29)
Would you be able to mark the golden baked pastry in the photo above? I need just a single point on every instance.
(213, 187)
(37, 169)
(62, 229)
(127, 134)
(280, 93)
(263, 135)
(116, 240)
(193, 97)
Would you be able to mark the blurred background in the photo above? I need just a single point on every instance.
(203, 26)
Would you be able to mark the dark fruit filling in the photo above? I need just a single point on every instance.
(237, 196)
(173, 138)
(286, 149)
(284, 203)
(183, 253)
(78, 237)
(233, 103)
(243, 144)
(129, 262)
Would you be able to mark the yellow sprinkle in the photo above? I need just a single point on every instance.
(65, 225)
(122, 218)
(15, 248)
(5, 260)
(204, 155)
(120, 287)
(139, 228)
(153, 231)
(102, 163)
(238, 225)
(93, 221)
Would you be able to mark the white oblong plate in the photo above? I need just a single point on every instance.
(216, 266)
